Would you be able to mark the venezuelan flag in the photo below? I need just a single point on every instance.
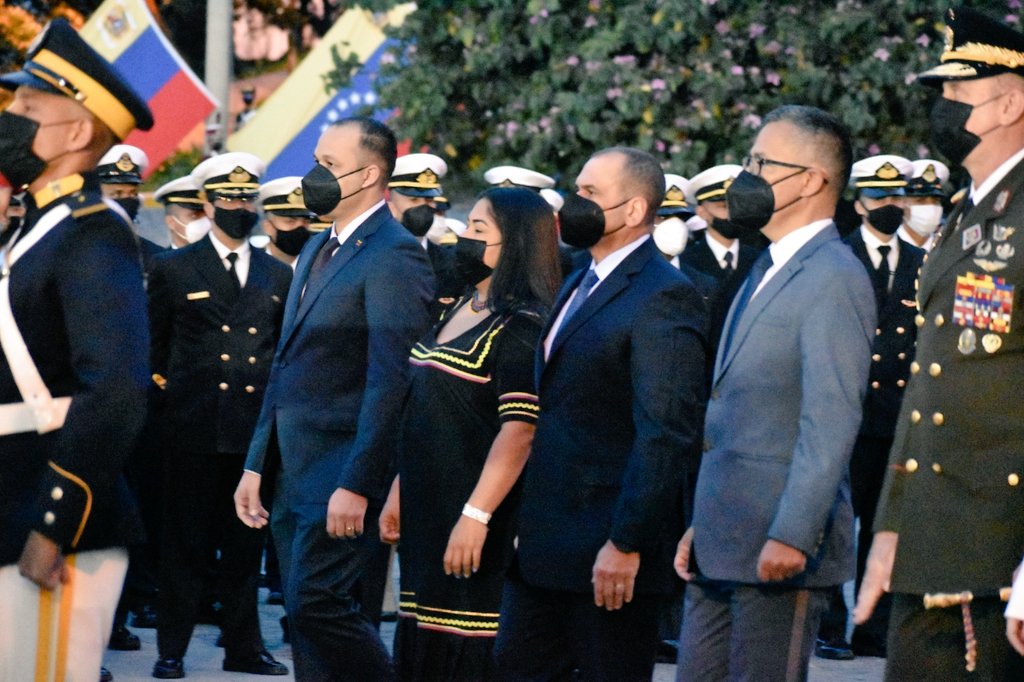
(286, 127)
(124, 32)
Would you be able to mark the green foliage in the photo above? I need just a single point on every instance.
(178, 165)
(543, 83)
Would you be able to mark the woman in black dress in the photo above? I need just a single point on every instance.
(465, 437)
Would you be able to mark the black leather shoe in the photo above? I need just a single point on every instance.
(106, 675)
(275, 598)
(169, 669)
(144, 618)
(835, 649)
(868, 646)
(668, 651)
(263, 664)
(122, 639)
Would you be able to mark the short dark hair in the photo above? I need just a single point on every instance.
(642, 175)
(376, 138)
(831, 138)
(528, 273)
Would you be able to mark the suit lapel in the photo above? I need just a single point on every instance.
(210, 267)
(567, 288)
(299, 278)
(902, 282)
(256, 282)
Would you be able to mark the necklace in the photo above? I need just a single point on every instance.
(475, 304)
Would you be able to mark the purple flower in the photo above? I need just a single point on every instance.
(1012, 19)
(544, 13)
(874, 149)
(722, 27)
(752, 121)
(613, 93)
(924, 40)
(510, 129)
(772, 78)
(736, 70)
(544, 123)
(594, 5)
(923, 152)
(659, 145)
(756, 30)
(534, 20)
(1013, 4)
(774, 47)
(387, 58)
(658, 84)
(881, 54)
(591, 22)
(592, 66)
(910, 78)
(624, 59)
(572, 60)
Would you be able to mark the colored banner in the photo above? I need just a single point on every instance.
(125, 33)
(287, 125)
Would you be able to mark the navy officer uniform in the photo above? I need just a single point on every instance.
(76, 299)
(214, 325)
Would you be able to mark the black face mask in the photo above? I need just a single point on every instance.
(948, 134)
(237, 223)
(581, 221)
(291, 241)
(321, 191)
(18, 163)
(130, 205)
(469, 265)
(751, 202)
(725, 227)
(418, 219)
(885, 219)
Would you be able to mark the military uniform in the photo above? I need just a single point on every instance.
(953, 491)
(76, 293)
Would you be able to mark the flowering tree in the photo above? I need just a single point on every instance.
(543, 83)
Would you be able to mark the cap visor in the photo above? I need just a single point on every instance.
(415, 192)
(12, 81)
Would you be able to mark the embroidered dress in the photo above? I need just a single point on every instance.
(461, 393)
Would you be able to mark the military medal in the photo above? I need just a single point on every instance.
(972, 235)
(991, 342)
(1001, 201)
(1001, 233)
(984, 248)
(967, 342)
(1005, 251)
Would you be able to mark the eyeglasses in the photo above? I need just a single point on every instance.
(755, 164)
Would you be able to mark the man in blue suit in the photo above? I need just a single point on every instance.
(773, 523)
(621, 379)
(325, 435)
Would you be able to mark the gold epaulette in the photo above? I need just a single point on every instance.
(89, 210)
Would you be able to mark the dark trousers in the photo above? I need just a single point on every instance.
(548, 634)
(929, 644)
(748, 632)
(199, 520)
(373, 583)
(332, 639)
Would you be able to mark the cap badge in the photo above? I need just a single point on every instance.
(929, 174)
(125, 163)
(296, 197)
(427, 177)
(674, 194)
(506, 183)
(239, 175)
(888, 171)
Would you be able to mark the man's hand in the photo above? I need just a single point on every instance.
(1015, 633)
(248, 507)
(779, 561)
(682, 560)
(465, 545)
(390, 516)
(877, 574)
(345, 513)
(42, 562)
(613, 577)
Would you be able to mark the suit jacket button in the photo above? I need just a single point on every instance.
(938, 419)
(1013, 480)
(911, 465)
(937, 468)
(919, 320)
(876, 357)
(914, 367)
(225, 328)
(225, 357)
(57, 494)
(252, 360)
(223, 386)
(49, 518)
(875, 384)
(900, 330)
(252, 330)
(250, 389)
(939, 320)
(902, 356)
(935, 369)
(878, 332)
(915, 416)
(900, 383)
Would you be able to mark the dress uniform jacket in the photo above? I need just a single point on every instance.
(953, 490)
(892, 349)
(699, 255)
(214, 351)
(78, 301)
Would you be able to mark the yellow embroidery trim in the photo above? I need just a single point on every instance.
(421, 355)
(986, 54)
(88, 499)
(64, 620)
(524, 406)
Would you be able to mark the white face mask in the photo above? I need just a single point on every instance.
(925, 218)
(195, 229)
(670, 236)
(438, 229)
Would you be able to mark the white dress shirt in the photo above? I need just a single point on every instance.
(979, 193)
(872, 243)
(345, 233)
(786, 248)
(244, 256)
(602, 270)
(719, 251)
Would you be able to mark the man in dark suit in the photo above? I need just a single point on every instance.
(215, 314)
(948, 530)
(73, 372)
(326, 432)
(773, 525)
(620, 372)
(892, 264)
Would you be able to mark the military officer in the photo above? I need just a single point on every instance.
(120, 172)
(183, 211)
(74, 370)
(949, 529)
(215, 311)
(720, 254)
(285, 218)
(924, 203)
(878, 184)
(517, 176)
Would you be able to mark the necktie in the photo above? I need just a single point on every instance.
(757, 272)
(235, 284)
(728, 261)
(882, 273)
(590, 280)
(323, 257)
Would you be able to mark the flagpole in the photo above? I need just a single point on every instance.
(219, 55)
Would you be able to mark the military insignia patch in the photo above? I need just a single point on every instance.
(972, 235)
(1005, 251)
(990, 265)
(1001, 233)
(1001, 202)
(983, 302)
(967, 342)
(991, 342)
